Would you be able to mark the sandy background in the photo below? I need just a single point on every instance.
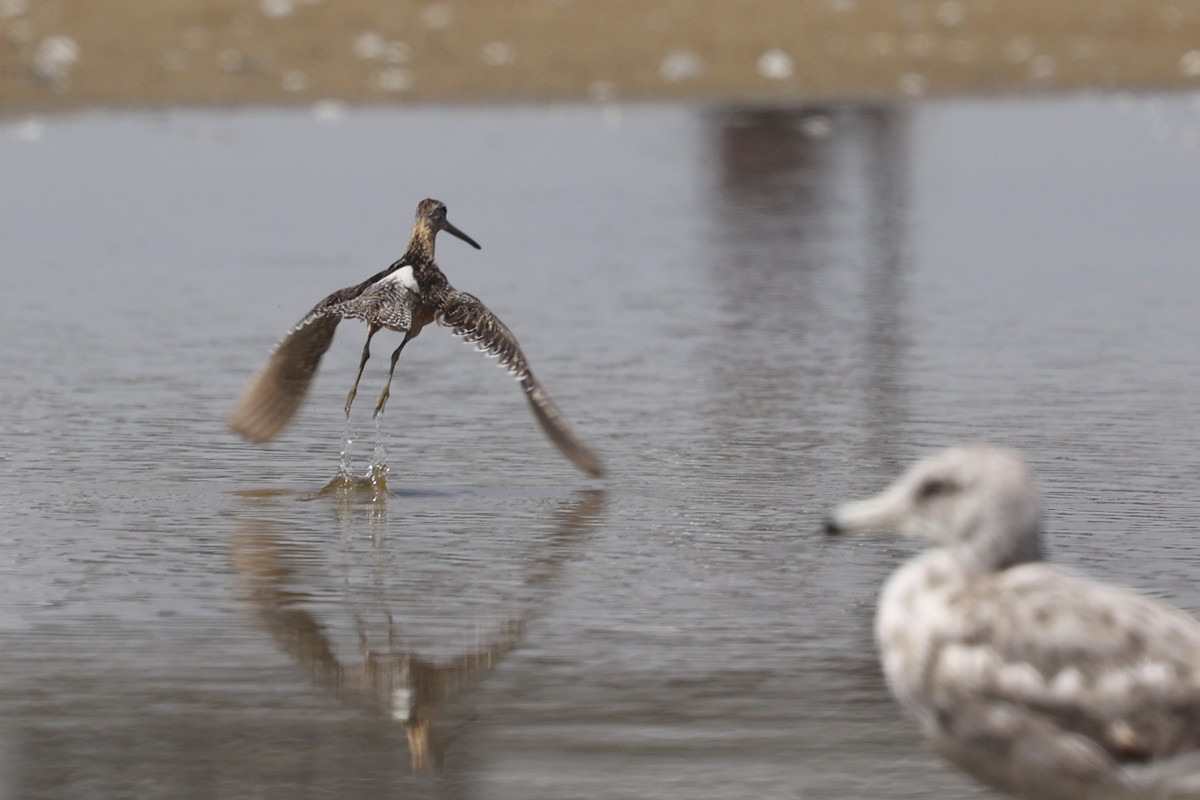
(66, 54)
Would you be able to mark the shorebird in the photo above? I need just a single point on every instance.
(405, 297)
(1032, 679)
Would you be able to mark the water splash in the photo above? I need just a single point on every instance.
(345, 485)
(378, 470)
(347, 461)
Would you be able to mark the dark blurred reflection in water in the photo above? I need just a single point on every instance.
(795, 203)
(752, 314)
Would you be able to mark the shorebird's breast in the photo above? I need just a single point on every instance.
(405, 277)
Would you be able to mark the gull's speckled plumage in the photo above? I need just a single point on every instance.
(1033, 679)
(405, 297)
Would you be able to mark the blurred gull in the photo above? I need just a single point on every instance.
(1032, 679)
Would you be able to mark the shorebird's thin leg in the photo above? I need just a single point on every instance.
(387, 387)
(371, 331)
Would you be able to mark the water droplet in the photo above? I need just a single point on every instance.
(274, 9)
(329, 110)
(497, 54)
(912, 84)
(437, 16)
(294, 80)
(394, 79)
(681, 65)
(1189, 63)
(775, 65)
(370, 45)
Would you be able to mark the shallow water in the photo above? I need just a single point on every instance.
(751, 315)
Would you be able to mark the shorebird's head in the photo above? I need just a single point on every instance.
(979, 501)
(431, 218)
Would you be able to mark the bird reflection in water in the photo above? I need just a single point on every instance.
(395, 683)
(812, 205)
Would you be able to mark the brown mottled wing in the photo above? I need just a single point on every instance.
(471, 320)
(388, 303)
(273, 396)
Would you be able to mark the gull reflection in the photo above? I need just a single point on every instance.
(395, 682)
(810, 227)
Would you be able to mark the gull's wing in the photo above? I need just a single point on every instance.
(1074, 672)
(470, 319)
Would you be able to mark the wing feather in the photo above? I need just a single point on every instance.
(388, 303)
(276, 392)
(1094, 662)
(471, 320)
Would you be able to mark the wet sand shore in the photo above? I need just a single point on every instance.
(70, 54)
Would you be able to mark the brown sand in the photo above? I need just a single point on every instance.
(228, 52)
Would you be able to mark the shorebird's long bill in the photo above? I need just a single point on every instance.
(453, 231)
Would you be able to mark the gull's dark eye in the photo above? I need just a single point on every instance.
(935, 487)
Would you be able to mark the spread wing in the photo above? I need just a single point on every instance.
(473, 322)
(1078, 672)
(275, 394)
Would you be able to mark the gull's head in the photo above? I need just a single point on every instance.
(431, 218)
(977, 500)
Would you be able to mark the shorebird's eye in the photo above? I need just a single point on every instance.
(935, 487)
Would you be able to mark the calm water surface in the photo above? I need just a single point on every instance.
(751, 315)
